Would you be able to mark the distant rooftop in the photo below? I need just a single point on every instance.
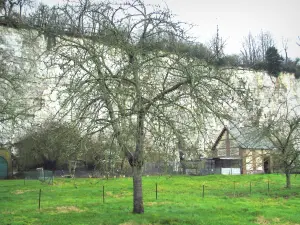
(251, 138)
(247, 138)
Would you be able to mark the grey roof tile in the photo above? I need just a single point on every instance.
(251, 138)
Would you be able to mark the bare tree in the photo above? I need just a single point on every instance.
(9, 6)
(249, 51)
(285, 48)
(265, 41)
(276, 124)
(216, 46)
(20, 96)
(118, 79)
(11, 85)
(283, 131)
(255, 47)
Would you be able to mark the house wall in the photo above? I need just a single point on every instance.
(227, 146)
(253, 160)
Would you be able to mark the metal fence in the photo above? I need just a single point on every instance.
(39, 174)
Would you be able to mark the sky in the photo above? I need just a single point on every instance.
(236, 18)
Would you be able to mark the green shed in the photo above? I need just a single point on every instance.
(5, 164)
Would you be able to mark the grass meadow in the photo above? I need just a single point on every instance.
(251, 199)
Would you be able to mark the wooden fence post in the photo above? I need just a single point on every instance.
(156, 191)
(40, 194)
(234, 187)
(103, 194)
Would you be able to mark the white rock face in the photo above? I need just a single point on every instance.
(265, 93)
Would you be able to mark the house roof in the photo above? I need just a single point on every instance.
(247, 138)
(251, 138)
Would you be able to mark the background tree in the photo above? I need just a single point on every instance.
(50, 146)
(273, 61)
(254, 49)
(265, 41)
(285, 48)
(15, 6)
(19, 94)
(216, 46)
(103, 156)
(283, 130)
(249, 51)
(274, 120)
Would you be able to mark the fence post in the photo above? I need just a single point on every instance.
(103, 193)
(40, 199)
(203, 191)
(268, 186)
(156, 191)
(234, 187)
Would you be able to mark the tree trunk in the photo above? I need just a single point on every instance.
(137, 164)
(122, 164)
(138, 204)
(288, 179)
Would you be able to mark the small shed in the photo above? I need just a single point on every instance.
(5, 164)
(228, 165)
(242, 151)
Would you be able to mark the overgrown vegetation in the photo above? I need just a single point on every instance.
(49, 145)
(52, 145)
(252, 54)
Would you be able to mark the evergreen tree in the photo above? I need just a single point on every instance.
(273, 61)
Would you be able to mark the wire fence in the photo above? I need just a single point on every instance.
(39, 174)
(91, 192)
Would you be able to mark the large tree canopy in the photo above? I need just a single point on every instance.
(117, 81)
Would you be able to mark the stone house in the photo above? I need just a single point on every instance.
(242, 151)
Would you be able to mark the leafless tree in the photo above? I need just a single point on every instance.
(11, 86)
(18, 99)
(119, 77)
(255, 47)
(265, 41)
(283, 130)
(9, 6)
(217, 45)
(275, 119)
(249, 51)
(285, 48)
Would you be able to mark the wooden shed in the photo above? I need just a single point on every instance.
(5, 164)
(242, 151)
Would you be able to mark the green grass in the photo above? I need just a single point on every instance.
(227, 200)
